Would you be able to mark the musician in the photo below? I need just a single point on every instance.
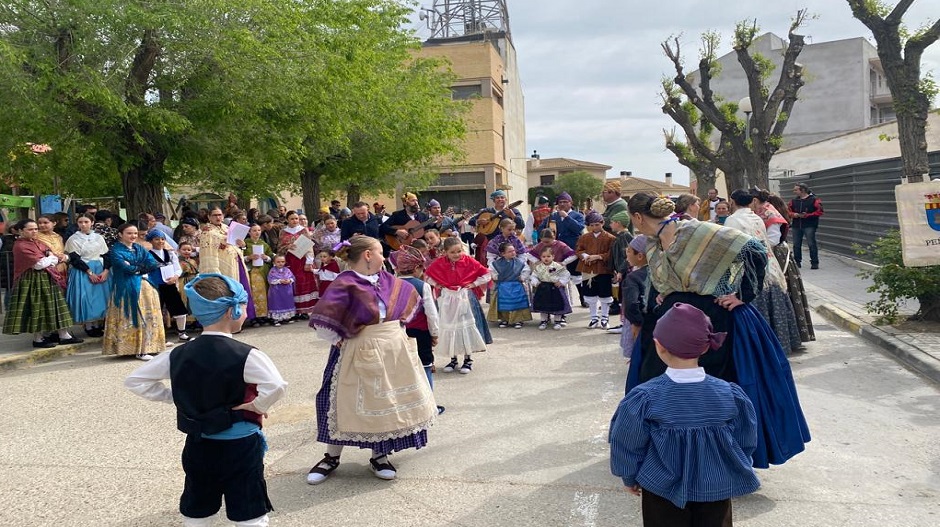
(441, 222)
(499, 211)
(410, 211)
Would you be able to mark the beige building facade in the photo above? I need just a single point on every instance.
(488, 78)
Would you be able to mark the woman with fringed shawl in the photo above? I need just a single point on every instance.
(37, 303)
(134, 322)
(216, 255)
(775, 214)
(773, 301)
(375, 393)
(720, 271)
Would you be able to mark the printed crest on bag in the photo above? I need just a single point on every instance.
(932, 208)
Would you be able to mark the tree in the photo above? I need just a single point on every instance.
(900, 54)
(743, 150)
(896, 283)
(581, 185)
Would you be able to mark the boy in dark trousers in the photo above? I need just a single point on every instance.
(221, 388)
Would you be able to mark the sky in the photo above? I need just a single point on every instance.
(591, 68)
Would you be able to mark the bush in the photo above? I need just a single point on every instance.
(895, 283)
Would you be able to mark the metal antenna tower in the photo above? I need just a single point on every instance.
(457, 18)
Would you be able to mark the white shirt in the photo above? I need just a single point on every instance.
(685, 376)
(146, 381)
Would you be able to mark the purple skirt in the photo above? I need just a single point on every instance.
(388, 446)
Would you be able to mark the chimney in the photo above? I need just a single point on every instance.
(668, 179)
(625, 173)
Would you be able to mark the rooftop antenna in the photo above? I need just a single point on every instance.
(458, 18)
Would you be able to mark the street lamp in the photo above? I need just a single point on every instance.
(745, 106)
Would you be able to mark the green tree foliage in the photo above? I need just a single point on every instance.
(896, 283)
(581, 185)
(743, 149)
(241, 96)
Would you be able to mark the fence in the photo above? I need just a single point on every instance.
(858, 201)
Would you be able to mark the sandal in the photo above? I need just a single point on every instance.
(383, 470)
(323, 469)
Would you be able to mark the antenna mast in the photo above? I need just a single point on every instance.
(457, 18)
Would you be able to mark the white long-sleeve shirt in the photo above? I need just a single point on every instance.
(147, 380)
(430, 310)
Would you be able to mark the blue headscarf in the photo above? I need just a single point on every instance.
(208, 312)
(154, 233)
(498, 194)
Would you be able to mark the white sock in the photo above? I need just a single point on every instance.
(38, 337)
(198, 522)
(180, 323)
(592, 305)
(546, 317)
(376, 455)
(605, 306)
(334, 450)
(64, 334)
(260, 521)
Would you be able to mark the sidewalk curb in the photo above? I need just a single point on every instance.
(38, 356)
(909, 356)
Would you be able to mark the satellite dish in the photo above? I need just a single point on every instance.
(422, 16)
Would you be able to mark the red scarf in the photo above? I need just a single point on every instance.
(25, 255)
(454, 275)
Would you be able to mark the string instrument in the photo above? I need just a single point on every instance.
(415, 230)
(456, 231)
(491, 220)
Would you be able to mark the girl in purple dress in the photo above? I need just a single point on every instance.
(375, 394)
(281, 307)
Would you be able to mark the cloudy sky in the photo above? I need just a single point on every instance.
(591, 68)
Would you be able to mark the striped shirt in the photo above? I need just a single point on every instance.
(685, 439)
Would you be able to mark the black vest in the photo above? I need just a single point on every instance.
(208, 380)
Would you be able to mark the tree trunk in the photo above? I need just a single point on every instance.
(140, 191)
(310, 187)
(704, 181)
(929, 308)
(353, 195)
(912, 136)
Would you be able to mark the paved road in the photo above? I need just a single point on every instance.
(522, 443)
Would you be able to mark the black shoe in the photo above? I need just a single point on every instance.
(44, 344)
(440, 409)
(814, 266)
(451, 366)
(95, 332)
(53, 337)
(73, 340)
(798, 265)
(382, 468)
(323, 469)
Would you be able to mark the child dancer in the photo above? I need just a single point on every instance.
(190, 267)
(463, 328)
(594, 265)
(425, 326)
(433, 237)
(675, 454)
(633, 294)
(165, 279)
(281, 307)
(328, 270)
(562, 254)
(258, 262)
(507, 234)
(510, 301)
(221, 389)
(550, 279)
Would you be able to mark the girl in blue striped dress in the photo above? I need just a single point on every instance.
(684, 440)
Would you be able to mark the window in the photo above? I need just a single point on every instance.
(461, 93)
(547, 180)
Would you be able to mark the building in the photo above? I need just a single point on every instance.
(871, 144)
(845, 87)
(630, 185)
(544, 172)
(475, 38)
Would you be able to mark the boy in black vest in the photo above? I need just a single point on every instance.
(221, 388)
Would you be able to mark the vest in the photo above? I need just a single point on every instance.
(420, 321)
(207, 375)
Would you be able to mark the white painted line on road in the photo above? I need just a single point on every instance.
(584, 509)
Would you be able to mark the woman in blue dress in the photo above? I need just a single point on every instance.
(89, 283)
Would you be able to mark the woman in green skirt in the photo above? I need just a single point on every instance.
(37, 304)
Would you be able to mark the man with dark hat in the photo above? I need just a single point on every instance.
(441, 222)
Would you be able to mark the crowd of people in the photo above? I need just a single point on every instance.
(709, 297)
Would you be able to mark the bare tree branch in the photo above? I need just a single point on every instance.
(919, 43)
